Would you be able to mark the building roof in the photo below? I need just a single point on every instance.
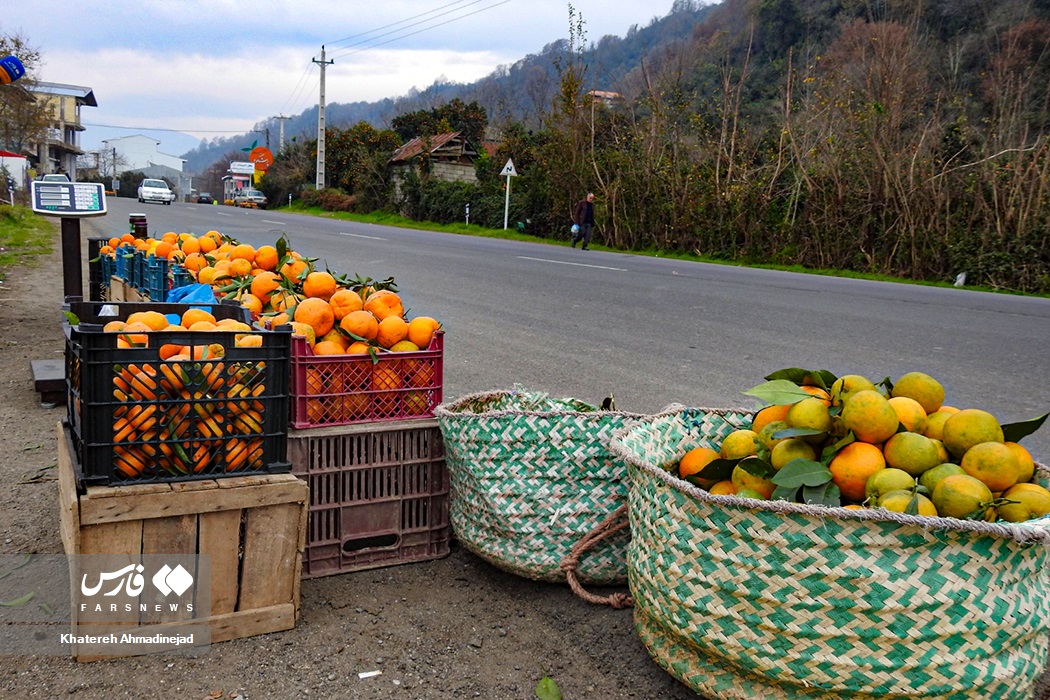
(83, 95)
(9, 154)
(450, 144)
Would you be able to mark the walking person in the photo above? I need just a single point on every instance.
(583, 216)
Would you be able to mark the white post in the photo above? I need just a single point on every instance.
(506, 206)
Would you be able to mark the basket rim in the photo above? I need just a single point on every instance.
(452, 409)
(1030, 532)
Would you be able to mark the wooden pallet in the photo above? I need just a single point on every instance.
(254, 577)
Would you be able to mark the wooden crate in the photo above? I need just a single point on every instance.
(254, 577)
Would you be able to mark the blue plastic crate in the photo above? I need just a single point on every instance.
(154, 278)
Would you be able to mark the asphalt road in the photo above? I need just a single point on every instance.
(653, 331)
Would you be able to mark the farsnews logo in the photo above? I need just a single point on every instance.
(131, 581)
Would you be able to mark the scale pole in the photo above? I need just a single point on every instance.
(72, 274)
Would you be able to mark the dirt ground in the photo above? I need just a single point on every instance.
(450, 628)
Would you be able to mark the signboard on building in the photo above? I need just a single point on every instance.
(242, 168)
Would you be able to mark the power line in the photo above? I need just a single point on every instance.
(346, 52)
(394, 24)
(161, 128)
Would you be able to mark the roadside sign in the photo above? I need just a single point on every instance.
(68, 199)
(508, 169)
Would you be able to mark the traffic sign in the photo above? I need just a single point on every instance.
(508, 169)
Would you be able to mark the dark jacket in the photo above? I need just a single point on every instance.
(583, 213)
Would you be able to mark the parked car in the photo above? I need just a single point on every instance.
(249, 198)
(152, 190)
(205, 198)
(55, 177)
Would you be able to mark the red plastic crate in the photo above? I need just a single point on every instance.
(378, 495)
(347, 389)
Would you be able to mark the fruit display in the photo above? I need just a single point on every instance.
(846, 441)
(376, 362)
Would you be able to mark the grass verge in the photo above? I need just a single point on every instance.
(24, 236)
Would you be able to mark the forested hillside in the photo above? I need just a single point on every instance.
(905, 137)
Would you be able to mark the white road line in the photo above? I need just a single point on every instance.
(358, 235)
(563, 262)
(271, 221)
(222, 213)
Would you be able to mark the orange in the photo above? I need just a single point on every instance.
(744, 480)
(252, 303)
(293, 270)
(421, 330)
(693, 462)
(114, 242)
(962, 496)
(163, 249)
(1031, 501)
(336, 336)
(243, 251)
(993, 463)
(870, 416)
(910, 413)
(201, 326)
(852, 466)
(358, 347)
(361, 324)
(305, 330)
(207, 244)
(768, 415)
(384, 303)
(207, 275)
(924, 389)
(970, 427)
(818, 392)
(113, 326)
(266, 258)
(345, 301)
(191, 316)
(328, 347)
(1025, 463)
(319, 285)
(264, 284)
(190, 245)
(195, 262)
(127, 238)
(723, 488)
(239, 267)
(154, 320)
(317, 314)
(392, 330)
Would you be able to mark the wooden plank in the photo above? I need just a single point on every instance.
(68, 510)
(174, 502)
(175, 535)
(123, 537)
(237, 625)
(271, 548)
(220, 538)
(356, 428)
(48, 375)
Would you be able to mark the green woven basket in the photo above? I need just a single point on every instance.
(530, 476)
(741, 599)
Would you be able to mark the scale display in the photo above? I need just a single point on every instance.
(68, 199)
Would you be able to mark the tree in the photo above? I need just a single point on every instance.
(471, 119)
(23, 119)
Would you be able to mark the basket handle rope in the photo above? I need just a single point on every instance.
(613, 523)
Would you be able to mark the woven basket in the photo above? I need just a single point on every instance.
(530, 476)
(783, 600)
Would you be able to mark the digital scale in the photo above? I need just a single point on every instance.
(72, 201)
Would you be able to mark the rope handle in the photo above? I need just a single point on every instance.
(613, 523)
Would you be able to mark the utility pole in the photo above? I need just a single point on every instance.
(281, 118)
(320, 122)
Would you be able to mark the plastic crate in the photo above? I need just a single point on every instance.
(348, 389)
(125, 256)
(180, 276)
(154, 276)
(136, 418)
(97, 279)
(378, 495)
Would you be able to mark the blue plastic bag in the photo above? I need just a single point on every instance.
(193, 294)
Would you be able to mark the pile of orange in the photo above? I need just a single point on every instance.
(891, 445)
(189, 411)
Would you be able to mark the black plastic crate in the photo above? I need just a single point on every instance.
(97, 280)
(136, 417)
(379, 495)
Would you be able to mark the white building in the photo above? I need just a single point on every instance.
(138, 153)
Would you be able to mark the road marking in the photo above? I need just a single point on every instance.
(564, 262)
(271, 221)
(359, 235)
(222, 213)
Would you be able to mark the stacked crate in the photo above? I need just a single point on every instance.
(365, 438)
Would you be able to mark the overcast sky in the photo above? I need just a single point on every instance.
(216, 68)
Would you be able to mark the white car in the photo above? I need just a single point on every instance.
(55, 177)
(152, 190)
(249, 198)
